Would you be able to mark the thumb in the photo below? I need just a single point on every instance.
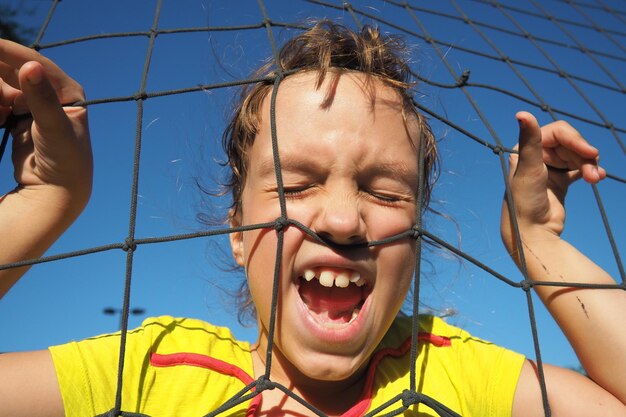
(42, 100)
(530, 146)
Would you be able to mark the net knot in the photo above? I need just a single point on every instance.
(415, 232)
(263, 383)
(410, 398)
(545, 107)
(526, 285)
(462, 81)
(498, 149)
(129, 245)
(140, 96)
(280, 223)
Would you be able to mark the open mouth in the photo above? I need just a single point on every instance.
(333, 297)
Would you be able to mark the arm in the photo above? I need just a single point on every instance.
(53, 170)
(591, 319)
(51, 156)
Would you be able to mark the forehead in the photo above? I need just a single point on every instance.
(366, 97)
(349, 116)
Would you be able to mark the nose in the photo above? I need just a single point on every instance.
(341, 220)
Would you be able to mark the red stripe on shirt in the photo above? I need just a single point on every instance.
(208, 362)
(366, 397)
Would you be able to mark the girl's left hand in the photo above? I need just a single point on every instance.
(550, 158)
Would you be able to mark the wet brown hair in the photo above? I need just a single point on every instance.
(326, 48)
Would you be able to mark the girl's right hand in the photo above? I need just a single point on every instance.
(52, 161)
(51, 147)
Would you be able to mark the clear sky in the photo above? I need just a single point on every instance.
(61, 301)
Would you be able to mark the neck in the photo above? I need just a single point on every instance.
(333, 398)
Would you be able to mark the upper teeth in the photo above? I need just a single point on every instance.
(341, 280)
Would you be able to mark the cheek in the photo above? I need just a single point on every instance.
(260, 254)
(260, 249)
(258, 245)
(396, 266)
(400, 257)
(383, 222)
(258, 206)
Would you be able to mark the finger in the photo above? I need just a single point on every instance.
(561, 133)
(42, 100)
(9, 74)
(561, 159)
(592, 173)
(530, 160)
(566, 148)
(8, 94)
(15, 56)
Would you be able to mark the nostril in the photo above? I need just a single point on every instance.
(340, 221)
(332, 241)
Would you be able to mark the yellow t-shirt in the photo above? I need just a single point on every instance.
(186, 367)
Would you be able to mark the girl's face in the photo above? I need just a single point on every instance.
(349, 170)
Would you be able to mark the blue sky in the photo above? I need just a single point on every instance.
(61, 301)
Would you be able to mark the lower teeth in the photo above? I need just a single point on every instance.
(355, 313)
(341, 320)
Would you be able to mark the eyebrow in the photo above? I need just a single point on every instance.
(305, 165)
(291, 163)
(408, 175)
(394, 169)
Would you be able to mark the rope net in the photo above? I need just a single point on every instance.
(479, 61)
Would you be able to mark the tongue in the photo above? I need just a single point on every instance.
(330, 304)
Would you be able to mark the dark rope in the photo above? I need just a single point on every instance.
(410, 397)
(280, 230)
(130, 240)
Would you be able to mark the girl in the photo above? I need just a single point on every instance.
(348, 139)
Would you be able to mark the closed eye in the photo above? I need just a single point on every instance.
(387, 198)
(383, 197)
(294, 192)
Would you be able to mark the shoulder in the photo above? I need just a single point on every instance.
(435, 332)
(452, 346)
(163, 335)
(169, 362)
(176, 339)
(432, 331)
(470, 375)
(171, 334)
